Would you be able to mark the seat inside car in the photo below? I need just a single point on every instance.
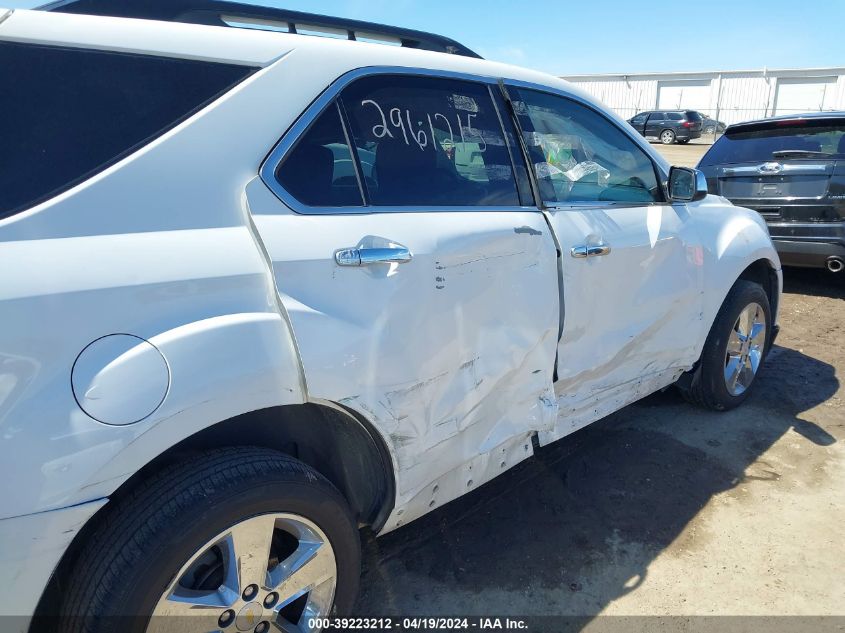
(308, 174)
(405, 174)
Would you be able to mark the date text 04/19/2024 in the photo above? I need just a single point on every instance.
(418, 624)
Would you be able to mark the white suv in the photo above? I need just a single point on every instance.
(261, 289)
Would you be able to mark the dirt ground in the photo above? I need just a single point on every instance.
(661, 509)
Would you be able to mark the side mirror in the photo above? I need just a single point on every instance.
(686, 184)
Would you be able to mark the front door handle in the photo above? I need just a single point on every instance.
(594, 250)
(367, 256)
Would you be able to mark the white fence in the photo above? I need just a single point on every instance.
(729, 96)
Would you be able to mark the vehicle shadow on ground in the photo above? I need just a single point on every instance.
(576, 527)
(815, 282)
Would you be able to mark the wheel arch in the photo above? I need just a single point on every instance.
(760, 269)
(333, 440)
(763, 272)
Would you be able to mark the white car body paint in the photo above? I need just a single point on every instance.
(234, 46)
(732, 237)
(103, 369)
(452, 376)
(32, 547)
(632, 318)
(450, 357)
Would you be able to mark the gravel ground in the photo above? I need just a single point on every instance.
(661, 509)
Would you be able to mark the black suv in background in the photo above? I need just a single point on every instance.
(791, 169)
(668, 126)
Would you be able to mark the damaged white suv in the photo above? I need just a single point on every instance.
(260, 289)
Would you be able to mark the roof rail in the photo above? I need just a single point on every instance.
(242, 15)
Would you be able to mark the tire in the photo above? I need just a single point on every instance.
(709, 387)
(141, 547)
(667, 137)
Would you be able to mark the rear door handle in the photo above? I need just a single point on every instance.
(598, 250)
(595, 250)
(366, 256)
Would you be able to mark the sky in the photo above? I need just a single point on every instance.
(566, 37)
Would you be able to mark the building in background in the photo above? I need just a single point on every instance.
(729, 96)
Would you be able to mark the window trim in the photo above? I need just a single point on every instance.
(267, 171)
(356, 160)
(627, 130)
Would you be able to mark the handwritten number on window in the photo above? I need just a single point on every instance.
(379, 130)
(396, 120)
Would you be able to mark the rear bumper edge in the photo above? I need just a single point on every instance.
(31, 547)
(807, 254)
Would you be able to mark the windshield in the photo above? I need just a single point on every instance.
(794, 141)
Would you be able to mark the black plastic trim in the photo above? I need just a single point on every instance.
(211, 12)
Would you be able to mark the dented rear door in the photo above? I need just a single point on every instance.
(448, 350)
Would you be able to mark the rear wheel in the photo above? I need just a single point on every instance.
(734, 351)
(667, 137)
(237, 539)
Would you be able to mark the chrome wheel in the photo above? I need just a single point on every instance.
(744, 352)
(269, 572)
(667, 137)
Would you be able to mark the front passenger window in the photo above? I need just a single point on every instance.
(580, 156)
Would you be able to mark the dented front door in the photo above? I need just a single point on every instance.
(631, 263)
(633, 304)
(438, 324)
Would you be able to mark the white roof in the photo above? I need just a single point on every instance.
(142, 36)
(233, 45)
(254, 47)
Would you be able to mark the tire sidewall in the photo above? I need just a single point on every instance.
(713, 358)
(175, 539)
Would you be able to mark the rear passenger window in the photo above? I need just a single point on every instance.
(657, 116)
(319, 170)
(69, 113)
(425, 141)
(580, 156)
(674, 116)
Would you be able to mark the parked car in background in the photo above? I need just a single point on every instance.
(310, 285)
(710, 126)
(668, 126)
(791, 169)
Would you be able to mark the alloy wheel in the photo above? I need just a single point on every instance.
(746, 344)
(272, 572)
